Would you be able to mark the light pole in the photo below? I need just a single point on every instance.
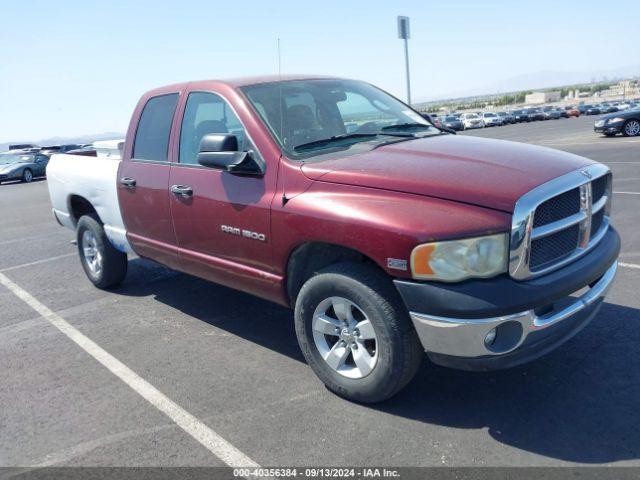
(403, 33)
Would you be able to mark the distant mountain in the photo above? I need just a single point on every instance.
(61, 140)
(545, 79)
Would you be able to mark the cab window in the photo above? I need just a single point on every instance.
(207, 113)
(152, 136)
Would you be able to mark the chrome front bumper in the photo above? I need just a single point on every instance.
(458, 337)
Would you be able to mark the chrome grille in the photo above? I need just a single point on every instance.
(559, 221)
(557, 208)
(553, 247)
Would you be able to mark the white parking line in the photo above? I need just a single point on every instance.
(629, 265)
(627, 193)
(190, 424)
(37, 262)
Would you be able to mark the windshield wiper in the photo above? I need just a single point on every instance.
(405, 126)
(346, 136)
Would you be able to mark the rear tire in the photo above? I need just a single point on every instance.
(105, 266)
(365, 349)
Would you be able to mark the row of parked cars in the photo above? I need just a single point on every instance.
(468, 120)
(26, 161)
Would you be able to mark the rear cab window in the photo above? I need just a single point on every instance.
(154, 128)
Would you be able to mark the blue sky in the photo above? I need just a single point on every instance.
(76, 67)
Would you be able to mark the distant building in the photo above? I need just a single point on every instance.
(542, 97)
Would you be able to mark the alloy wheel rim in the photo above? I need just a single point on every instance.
(632, 128)
(27, 175)
(92, 256)
(345, 337)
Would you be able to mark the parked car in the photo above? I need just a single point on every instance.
(86, 150)
(471, 120)
(52, 149)
(572, 111)
(534, 113)
(506, 117)
(627, 123)
(23, 146)
(22, 166)
(491, 119)
(607, 108)
(387, 242)
(550, 113)
(593, 110)
(449, 121)
(521, 116)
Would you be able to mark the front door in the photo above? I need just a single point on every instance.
(41, 165)
(143, 183)
(223, 225)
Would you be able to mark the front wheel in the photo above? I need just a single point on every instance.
(356, 334)
(631, 128)
(104, 265)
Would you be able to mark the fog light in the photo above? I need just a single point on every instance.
(491, 337)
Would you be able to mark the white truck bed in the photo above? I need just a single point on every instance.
(94, 179)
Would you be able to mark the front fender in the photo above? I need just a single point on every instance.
(380, 224)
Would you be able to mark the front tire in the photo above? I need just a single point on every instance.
(356, 334)
(104, 266)
(27, 176)
(631, 128)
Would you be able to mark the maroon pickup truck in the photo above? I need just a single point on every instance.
(388, 236)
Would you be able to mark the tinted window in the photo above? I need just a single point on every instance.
(154, 127)
(207, 113)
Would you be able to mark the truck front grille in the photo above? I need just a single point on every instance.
(559, 221)
(545, 251)
(557, 208)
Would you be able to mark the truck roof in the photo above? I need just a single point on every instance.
(241, 81)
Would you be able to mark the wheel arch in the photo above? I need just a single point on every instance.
(308, 258)
(77, 206)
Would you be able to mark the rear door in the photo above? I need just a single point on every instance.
(223, 226)
(143, 181)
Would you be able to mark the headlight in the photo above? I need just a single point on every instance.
(615, 120)
(599, 123)
(456, 260)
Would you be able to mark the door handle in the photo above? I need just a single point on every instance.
(182, 190)
(128, 182)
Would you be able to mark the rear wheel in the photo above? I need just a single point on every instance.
(356, 334)
(27, 176)
(104, 265)
(631, 128)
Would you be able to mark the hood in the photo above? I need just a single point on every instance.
(480, 171)
(10, 166)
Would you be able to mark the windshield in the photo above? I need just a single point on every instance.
(471, 116)
(327, 113)
(8, 159)
(489, 114)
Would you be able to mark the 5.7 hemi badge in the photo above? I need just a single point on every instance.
(243, 233)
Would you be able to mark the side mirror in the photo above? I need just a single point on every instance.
(220, 150)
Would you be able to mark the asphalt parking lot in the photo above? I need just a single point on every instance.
(232, 362)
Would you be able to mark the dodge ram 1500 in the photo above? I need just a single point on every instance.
(387, 236)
